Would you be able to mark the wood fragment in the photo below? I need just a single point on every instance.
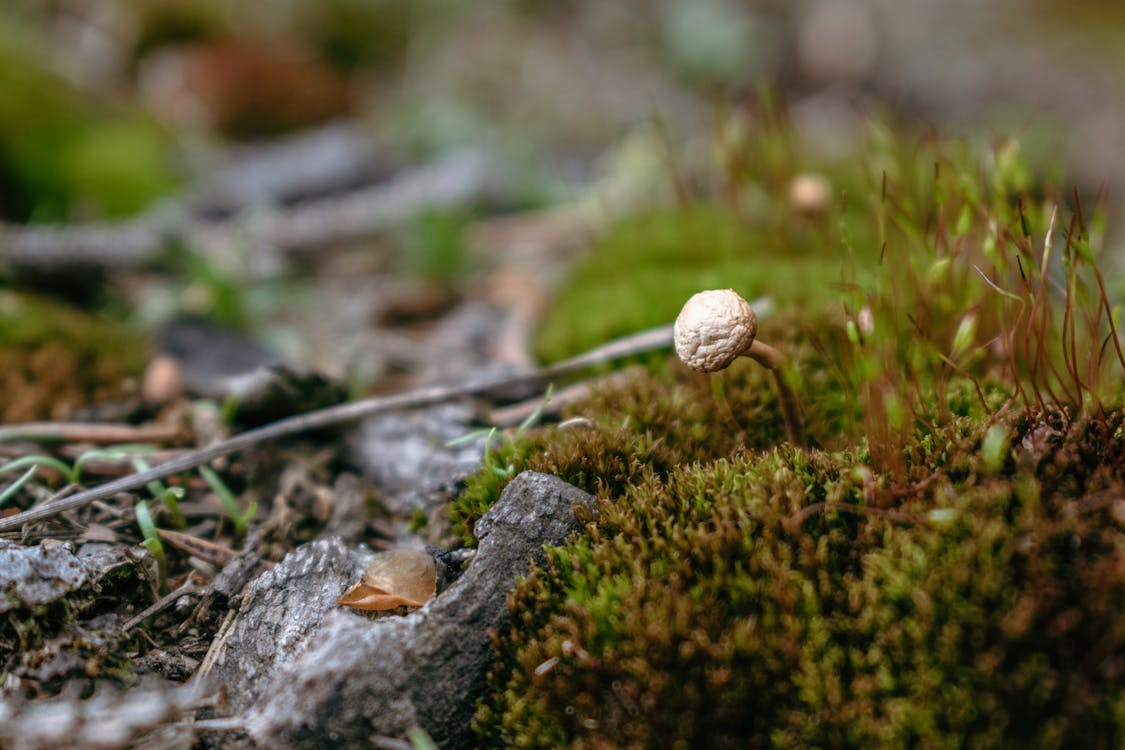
(161, 604)
(216, 648)
(216, 554)
(228, 585)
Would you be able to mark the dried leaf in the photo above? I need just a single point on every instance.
(362, 596)
(397, 578)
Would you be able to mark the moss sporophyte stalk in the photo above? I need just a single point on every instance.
(939, 568)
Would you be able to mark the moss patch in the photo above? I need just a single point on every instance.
(939, 569)
(698, 613)
(670, 417)
(639, 275)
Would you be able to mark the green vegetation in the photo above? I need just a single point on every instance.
(240, 520)
(433, 247)
(639, 275)
(70, 473)
(941, 569)
(700, 611)
(659, 422)
(27, 463)
(150, 538)
(65, 156)
(754, 240)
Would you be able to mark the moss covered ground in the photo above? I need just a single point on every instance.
(942, 566)
(55, 359)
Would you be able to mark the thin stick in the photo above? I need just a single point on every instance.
(212, 655)
(638, 343)
(187, 587)
(85, 432)
(224, 724)
(216, 554)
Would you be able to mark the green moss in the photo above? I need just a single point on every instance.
(63, 156)
(639, 275)
(941, 568)
(665, 419)
(117, 166)
(696, 613)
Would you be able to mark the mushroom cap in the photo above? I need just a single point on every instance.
(713, 328)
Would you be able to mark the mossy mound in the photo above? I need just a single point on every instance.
(941, 567)
(640, 273)
(669, 417)
(772, 599)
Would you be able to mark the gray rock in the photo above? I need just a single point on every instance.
(408, 457)
(280, 611)
(34, 576)
(352, 679)
(108, 560)
(220, 363)
(209, 354)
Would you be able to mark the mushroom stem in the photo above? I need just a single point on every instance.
(773, 360)
(765, 355)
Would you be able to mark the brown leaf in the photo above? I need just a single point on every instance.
(396, 578)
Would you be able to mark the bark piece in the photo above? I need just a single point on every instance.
(109, 719)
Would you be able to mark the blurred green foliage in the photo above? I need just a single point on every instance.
(640, 273)
(64, 157)
(433, 246)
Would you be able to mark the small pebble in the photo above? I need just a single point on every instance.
(163, 381)
(810, 194)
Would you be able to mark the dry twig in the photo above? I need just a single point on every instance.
(645, 341)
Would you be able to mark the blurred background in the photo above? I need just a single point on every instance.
(107, 105)
(159, 155)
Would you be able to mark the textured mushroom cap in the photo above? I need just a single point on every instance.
(713, 328)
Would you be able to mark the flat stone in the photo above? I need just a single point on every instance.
(34, 576)
(407, 455)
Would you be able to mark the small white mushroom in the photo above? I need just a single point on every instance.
(717, 326)
(810, 194)
(713, 328)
